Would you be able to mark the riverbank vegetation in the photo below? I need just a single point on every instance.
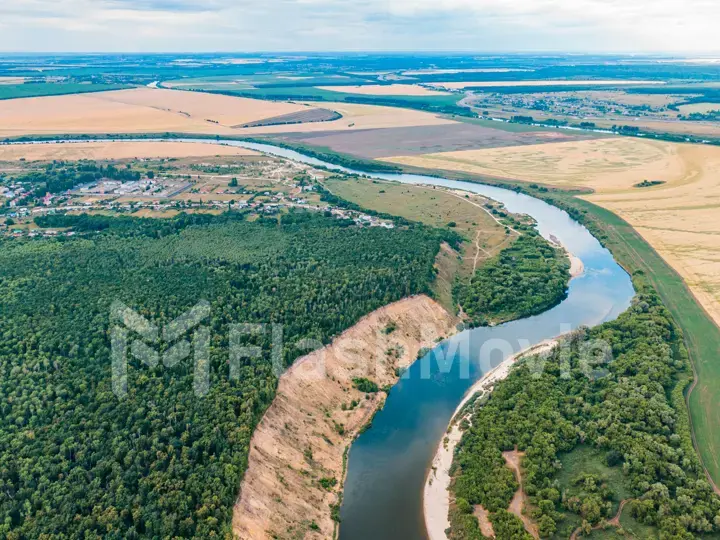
(617, 388)
(701, 334)
(479, 234)
(526, 278)
(632, 251)
(163, 461)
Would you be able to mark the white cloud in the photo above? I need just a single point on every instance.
(485, 25)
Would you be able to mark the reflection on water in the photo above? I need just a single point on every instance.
(388, 463)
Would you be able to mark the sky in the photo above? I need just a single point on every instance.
(673, 26)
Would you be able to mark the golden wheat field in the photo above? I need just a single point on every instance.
(116, 150)
(148, 110)
(678, 218)
(358, 116)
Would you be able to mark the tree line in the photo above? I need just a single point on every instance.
(78, 462)
(629, 404)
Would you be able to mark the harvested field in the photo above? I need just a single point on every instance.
(386, 90)
(544, 82)
(702, 108)
(12, 80)
(677, 218)
(296, 464)
(95, 113)
(147, 110)
(116, 150)
(306, 116)
(603, 163)
(357, 117)
(429, 139)
(225, 110)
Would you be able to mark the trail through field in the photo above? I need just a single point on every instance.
(454, 194)
(614, 522)
(519, 501)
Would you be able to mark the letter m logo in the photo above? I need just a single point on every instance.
(125, 322)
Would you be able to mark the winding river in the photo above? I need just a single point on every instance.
(388, 463)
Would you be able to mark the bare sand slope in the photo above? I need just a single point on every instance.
(304, 434)
(117, 150)
(678, 218)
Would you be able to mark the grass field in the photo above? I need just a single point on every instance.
(386, 90)
(586, 459)
(12, 91)
(484, 237)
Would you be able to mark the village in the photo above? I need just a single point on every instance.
(164, 188)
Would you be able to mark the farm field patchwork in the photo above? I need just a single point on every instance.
(386, 90)
(544, 82)
(674, 217)
(223, 110)
(147, 110)
(426, 139)
(13, 87)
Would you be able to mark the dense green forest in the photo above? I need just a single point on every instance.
(624, 399)
(76, 461)
(526, 278)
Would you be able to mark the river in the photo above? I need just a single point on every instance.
(388, 463)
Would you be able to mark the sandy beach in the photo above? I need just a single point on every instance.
(436, 498)
(577, 268)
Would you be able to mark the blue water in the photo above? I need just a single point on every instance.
(388, 463)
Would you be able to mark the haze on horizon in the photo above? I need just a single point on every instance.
(642, 26)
